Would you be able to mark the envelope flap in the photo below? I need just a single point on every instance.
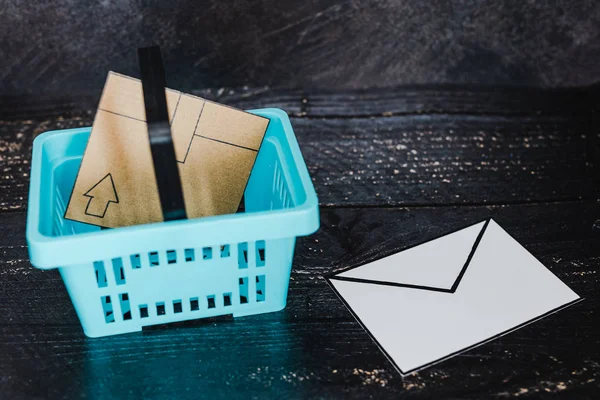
(435, 264)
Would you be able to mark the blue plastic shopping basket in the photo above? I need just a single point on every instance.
(123, 279)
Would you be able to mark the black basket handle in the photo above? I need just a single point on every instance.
(159, 132)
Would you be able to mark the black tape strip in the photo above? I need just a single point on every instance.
(159, 131)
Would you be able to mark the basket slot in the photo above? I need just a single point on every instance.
(60, 203)
(194, 304)
(225, 252)
(280, 190)
(125, 307)
(171, 257)
(189, 254)
(207, 253)
(260, 288)
(119, 270)
(276, 177)
(210, 300)
(281, 196)
(107, 308)
(144, 311)
(260, 253)
(59, 211)
(136, 261)
(243, 255)
(58, 224)
(153, 258)
(100, 274)
(226, 299)
(177, 306)
(243, 286)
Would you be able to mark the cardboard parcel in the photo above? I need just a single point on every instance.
(215, 146)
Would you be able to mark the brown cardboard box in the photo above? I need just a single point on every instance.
(215, 146)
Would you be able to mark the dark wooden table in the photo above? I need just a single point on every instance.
(391, 168)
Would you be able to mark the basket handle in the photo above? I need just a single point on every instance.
(159, 132)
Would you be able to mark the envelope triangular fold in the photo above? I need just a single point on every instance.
(503, 289)
(436, 263)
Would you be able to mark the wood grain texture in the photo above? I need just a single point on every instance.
(357, 103)
(402, 147)
(392, 168)
(53, 46)
(313, 348)
(447, 160)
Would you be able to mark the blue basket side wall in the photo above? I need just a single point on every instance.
(161, 283)
(161, 286)
(127, 293)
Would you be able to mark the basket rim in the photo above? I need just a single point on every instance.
(48, 252)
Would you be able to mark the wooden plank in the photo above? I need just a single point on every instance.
(444, 156)
(314, 347)
(16, 137)
(423, 99)
(437, 159)
(386, 101)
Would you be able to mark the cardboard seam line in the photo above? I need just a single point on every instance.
(452, 289)
(227, 134)
(224, 142)
(122, 115)
(195, 134)
(177, 106)
(189, 95)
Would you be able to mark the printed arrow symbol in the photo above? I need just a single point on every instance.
(101, 195)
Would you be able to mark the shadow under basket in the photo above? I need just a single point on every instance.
(123, 279)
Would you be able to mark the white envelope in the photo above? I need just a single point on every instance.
(432, 301)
